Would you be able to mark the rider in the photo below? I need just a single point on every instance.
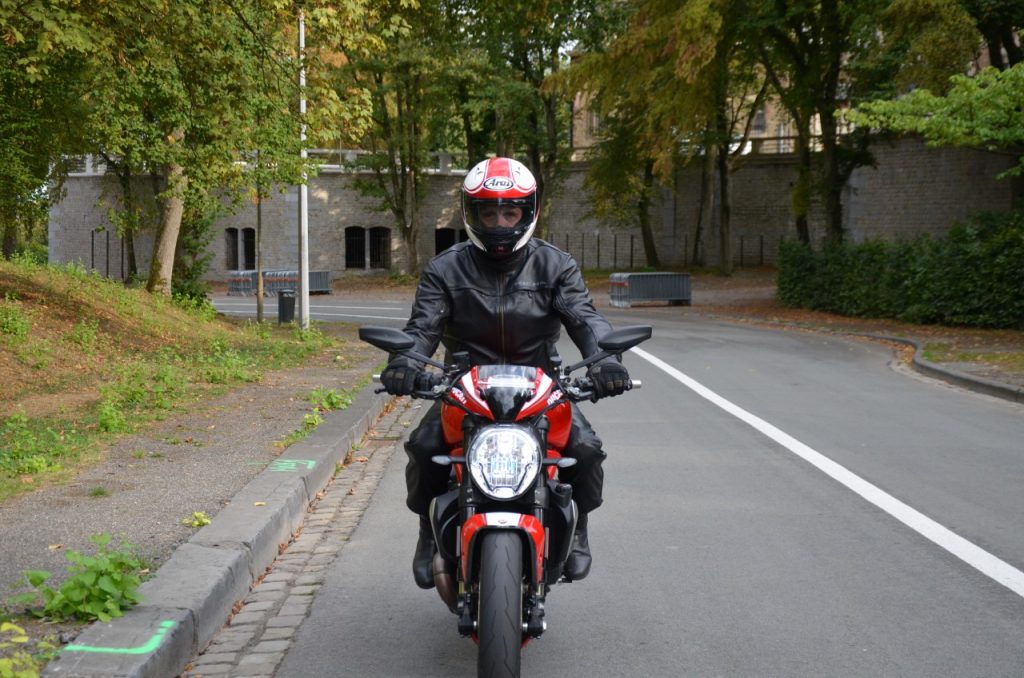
(503, 297)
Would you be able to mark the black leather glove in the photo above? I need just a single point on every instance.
(399, 378)
(609, 377)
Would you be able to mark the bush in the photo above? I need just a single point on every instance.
(971, 277)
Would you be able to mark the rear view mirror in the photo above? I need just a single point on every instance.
(386, 338)
(624, 338)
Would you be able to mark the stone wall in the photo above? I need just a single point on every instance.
(912, 190)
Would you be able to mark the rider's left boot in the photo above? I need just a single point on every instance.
(577, 565)
(422, 560)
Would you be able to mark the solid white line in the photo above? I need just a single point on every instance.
(318, 314)
(976, 557)
(247, 304)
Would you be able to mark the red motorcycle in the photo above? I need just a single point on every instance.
(502, 537)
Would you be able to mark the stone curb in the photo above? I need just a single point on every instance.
(971, 382)
(190, 596)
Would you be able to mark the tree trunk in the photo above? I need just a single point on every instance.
(707, 200)
(724, 216)
(162, 267)
(832, 184)
(802, 188)
(124, 176)
(643, 207)
(10, 233)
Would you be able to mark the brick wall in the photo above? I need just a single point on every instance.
(912, 190)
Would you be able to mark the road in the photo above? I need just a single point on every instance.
(327, 308)
(776, 504)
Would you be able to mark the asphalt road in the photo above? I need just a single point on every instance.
(776, 504)
(327, 308)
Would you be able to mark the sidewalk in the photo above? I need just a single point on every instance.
(302, 498)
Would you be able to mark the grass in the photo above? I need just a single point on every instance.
(84, 359)
(1008, 360)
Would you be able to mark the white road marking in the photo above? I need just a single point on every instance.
(973, 555)
(252, 304)
(320, 314)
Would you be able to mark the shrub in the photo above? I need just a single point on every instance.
(973, 276)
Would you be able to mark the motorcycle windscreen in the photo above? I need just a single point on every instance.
(506, 388)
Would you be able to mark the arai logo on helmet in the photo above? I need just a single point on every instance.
(498, 184)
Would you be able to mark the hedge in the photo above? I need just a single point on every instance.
(974, 276)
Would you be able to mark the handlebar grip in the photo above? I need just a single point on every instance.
(426, 381)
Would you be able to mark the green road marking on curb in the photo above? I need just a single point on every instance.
(289, 465)
(150, 645)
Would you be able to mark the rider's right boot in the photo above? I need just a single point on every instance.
(422, 560)
(577, 565)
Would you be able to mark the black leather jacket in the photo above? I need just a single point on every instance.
(508, 312)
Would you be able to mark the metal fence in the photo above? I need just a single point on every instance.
(243, 283)
(624, 289)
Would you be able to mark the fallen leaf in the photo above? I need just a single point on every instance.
(260, 503)
(55, 547)
(361, 459)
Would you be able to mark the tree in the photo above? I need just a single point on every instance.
(986, 111)
(527, 43)
(825, 55)
(999, 22)
(175, 88)
(38, 122)
(676, 83)
(407, 107)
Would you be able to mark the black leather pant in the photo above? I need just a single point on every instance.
(426, 480)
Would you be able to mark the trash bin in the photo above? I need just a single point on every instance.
(285, 306)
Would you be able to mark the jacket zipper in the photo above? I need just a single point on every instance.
(501, 314)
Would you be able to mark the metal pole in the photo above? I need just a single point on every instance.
(107, 257)
(303, 188)
(632, 240)
(92, 250)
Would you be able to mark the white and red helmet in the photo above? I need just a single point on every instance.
(499, 182)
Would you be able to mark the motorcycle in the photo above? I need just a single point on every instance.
(504, 529)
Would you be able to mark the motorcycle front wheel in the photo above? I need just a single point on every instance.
(500, 615)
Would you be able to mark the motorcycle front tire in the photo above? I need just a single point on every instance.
(500, 615)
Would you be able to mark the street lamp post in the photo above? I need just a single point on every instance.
(303, 188)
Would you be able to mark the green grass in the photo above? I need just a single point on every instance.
(137, 357)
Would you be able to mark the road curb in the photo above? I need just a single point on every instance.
(190, 596)
(968, 381)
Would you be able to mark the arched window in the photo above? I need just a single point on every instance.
(231, 249)
(380, 247)
(355, 247)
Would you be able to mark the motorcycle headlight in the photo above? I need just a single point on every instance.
(504, 461)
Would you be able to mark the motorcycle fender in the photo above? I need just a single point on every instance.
(530, 529)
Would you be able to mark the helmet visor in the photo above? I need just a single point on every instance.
(497, 214)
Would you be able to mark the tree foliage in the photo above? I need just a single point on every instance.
(187, 90)
(676, 83)
(986, 110)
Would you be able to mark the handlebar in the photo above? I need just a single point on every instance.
(576, 390)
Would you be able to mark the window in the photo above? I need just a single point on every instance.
(231, 249)
(380, 247)
(355, 247)
(759, 124)
(446, 237)
(249, 248)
